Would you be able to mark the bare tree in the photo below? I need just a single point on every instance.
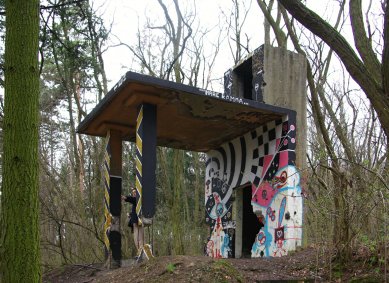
(235, 23)
(365, 68)
(72, 71)
(338, 173)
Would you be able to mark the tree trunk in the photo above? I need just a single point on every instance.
(177, 217)
(341, 223)
(20, 257)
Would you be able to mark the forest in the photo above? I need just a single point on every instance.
(54, 60)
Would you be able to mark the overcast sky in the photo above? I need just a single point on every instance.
(127, 14)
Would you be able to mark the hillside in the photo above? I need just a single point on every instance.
(303, 266)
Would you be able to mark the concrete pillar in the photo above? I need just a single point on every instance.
(115, 145)
(112, 173)
(237, 215)
(285, 86)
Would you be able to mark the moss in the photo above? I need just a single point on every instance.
(170, 267)
(225, 272)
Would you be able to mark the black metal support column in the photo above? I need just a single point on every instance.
(146, 133)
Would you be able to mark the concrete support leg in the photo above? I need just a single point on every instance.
(115, 191)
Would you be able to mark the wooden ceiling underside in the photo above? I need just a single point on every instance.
(187, 118)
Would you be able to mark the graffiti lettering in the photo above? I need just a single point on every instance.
(223, 96)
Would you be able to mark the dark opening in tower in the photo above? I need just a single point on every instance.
(247, 224)
(244, 78)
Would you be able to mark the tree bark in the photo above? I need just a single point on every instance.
(385, 54)
(20, 247)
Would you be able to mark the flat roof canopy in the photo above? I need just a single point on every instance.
(187, 117)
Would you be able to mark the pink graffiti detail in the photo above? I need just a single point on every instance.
(264, 194)
(267, 159)
(283, 159)
(280, 180)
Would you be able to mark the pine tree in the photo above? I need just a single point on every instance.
(20, 256)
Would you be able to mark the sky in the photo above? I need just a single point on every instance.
(125, 16)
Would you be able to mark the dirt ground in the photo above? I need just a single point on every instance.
(307, 265)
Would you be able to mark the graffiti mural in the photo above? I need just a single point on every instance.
(258, 73)
(228, 83)
(280, 201)
(218, 213)
(265, 159)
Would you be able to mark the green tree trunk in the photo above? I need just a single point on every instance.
(20, 250)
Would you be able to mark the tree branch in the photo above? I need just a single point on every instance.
(280, 35)
(357, 69)
(362, 43)
(335, 41)
(42, 7)
(385, 53)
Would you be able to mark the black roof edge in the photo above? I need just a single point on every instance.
(141, 78)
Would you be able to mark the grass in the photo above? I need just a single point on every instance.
(170, 267)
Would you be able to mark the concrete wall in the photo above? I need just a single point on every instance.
(285, 86)
(279, 79)
(269, 158)
(263, 158)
